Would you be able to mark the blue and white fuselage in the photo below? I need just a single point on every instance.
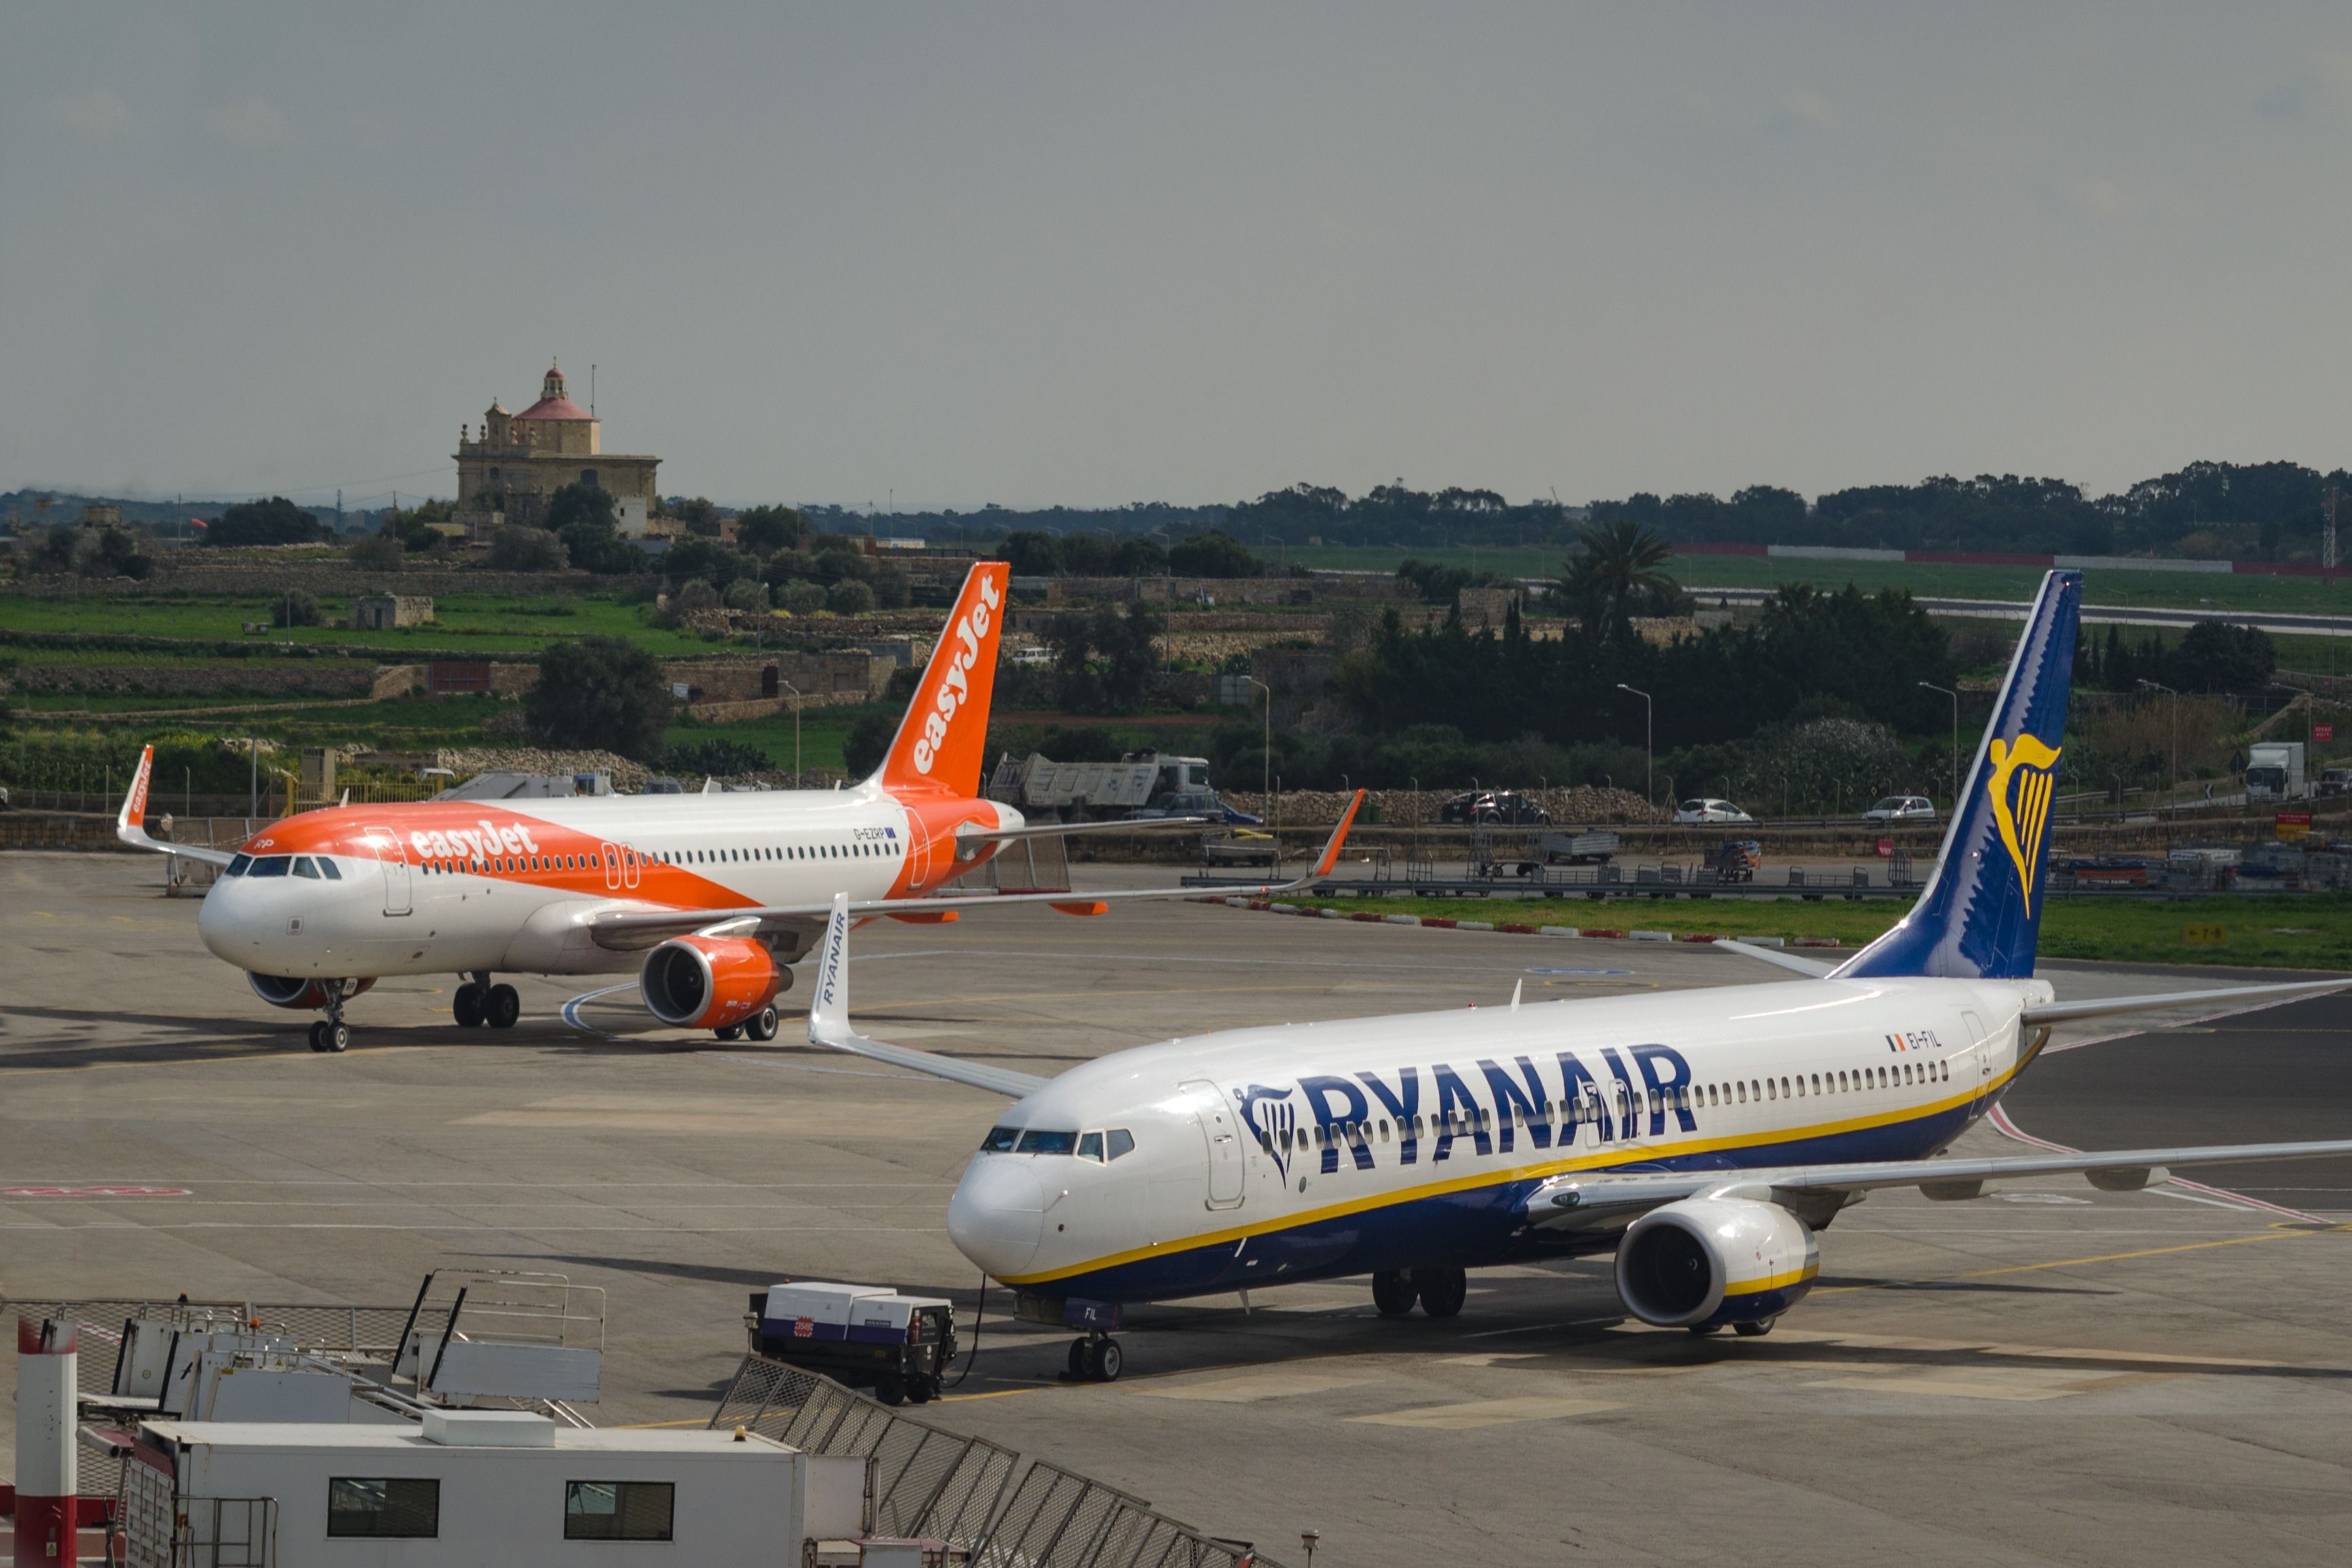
(1277, 1155)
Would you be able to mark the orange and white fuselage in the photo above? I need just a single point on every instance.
(462, 886)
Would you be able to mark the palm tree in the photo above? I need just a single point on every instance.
(1616, 563)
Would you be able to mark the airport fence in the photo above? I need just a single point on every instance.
(938, 1484)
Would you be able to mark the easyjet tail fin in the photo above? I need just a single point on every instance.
(943, 739)
(1981, 911)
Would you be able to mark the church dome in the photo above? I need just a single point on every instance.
(553, 402)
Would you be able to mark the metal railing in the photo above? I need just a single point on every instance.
(938, 1485)
(927, 1482)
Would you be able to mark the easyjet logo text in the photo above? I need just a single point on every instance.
(473, 844)
(955, 679)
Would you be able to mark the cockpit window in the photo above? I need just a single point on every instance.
(268, 866)
(1038, 1142)
(236, 866)
(305, 867)
(1090, 1147)
(1122, 1141)
(328, 867)
(1000, 1140)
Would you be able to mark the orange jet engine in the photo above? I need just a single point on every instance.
(714, 983)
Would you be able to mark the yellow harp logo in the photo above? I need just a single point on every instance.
(2024, 776)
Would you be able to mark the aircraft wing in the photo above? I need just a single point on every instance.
(130, 822)
(1579, 1201)
(829, 1023)
(1057, 829)
(1774, 955)
(625, 929)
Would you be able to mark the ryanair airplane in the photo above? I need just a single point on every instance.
(1706, 1138)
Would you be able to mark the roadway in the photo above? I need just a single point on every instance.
(2054, 1374)
(2276, 623)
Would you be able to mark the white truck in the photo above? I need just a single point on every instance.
(2274, 771)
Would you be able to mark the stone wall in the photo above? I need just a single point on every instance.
(244, 678)
(326, 577)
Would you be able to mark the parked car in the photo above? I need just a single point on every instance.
(1505, 807)
(2333, 780)
(1901, 808)
(1710, 810)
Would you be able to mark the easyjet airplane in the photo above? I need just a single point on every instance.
(1704, 1138)
(725, 890)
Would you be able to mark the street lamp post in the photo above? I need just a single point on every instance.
(796, 727)
(1649, 744)
(1266, 755)
(1956, 740)
(2172, 750)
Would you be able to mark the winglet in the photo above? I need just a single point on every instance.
(133, 818)
(1330, 855)
(829, 999)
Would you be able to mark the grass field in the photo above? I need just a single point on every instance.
(2169, 590)
(2284, 932)
(484, 622)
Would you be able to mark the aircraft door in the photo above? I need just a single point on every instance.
(919, 853)
(395, 861)
(1975, 1066)
(1221, 1132)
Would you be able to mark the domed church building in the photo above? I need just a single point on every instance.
(515, 461)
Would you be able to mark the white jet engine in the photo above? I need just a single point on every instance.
(1705, 1262)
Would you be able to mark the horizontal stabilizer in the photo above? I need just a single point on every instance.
(1774, 955)
(2251, 995)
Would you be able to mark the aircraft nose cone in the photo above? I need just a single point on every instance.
(219, 927)
(998, 1214)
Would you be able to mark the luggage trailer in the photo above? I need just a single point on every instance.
(866, 1336)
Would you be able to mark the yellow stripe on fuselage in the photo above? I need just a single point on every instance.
(1599, 1159)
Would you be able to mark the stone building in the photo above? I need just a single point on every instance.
(381, 612)
(515, 461)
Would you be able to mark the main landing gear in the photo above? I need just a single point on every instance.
(761, 1026)
(1440, 1291)
(1096, 1358)
(478, 1002)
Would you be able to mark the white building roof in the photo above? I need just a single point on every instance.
(289, 1435)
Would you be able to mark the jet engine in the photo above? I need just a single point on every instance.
(1705, 1262)
(293, 991)
(710, 982)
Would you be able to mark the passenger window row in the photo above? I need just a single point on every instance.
(859, 848)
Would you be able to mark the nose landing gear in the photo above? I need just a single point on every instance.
(1096, 1359)
(329, 1035)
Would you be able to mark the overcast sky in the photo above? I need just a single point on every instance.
(1099, 253)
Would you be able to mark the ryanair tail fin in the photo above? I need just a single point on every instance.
(1981, 911)
(943, 739)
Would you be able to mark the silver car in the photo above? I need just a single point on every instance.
(1901, 808)
(1710, 810)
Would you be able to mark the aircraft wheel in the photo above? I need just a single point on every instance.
(762, 1025)
(1441, 1290)
(1393, 1292)
(1754, 1330)
(465, 1006)
(1706, 1328)
(334, 1036)
(1105, 1359)
(731, 1032)
(319, 1036)
(501, 1007)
